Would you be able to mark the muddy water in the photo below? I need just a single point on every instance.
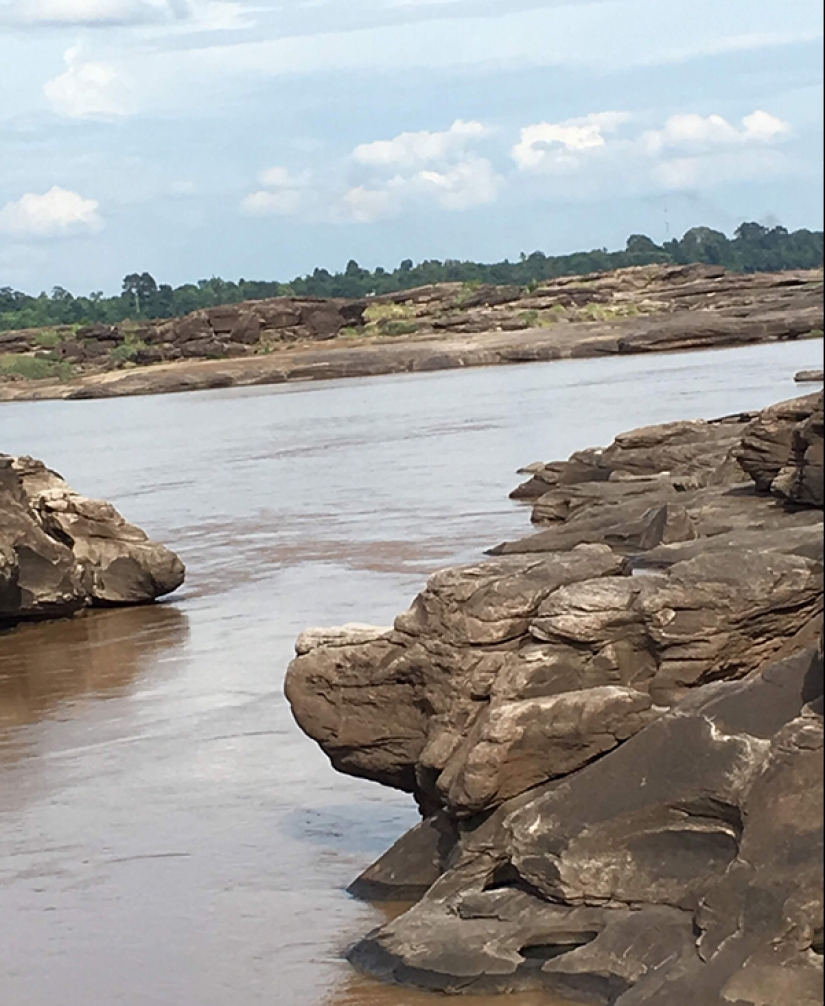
(167, 836)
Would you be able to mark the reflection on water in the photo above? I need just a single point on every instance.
(96, 654)
(167, 836)
(360, 991)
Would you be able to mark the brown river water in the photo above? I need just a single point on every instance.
(168, 837)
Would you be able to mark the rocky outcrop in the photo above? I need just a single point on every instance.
(782, 450)
(636, 310)
(809, 376)
(60, 551)
(612, 730)
(684, 868)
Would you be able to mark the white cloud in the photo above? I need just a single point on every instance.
(365, 205)
(594, 153)
(470, 182)
(219, 15)
(409, 150)
(99, 12)
(87, 90)
(436, 167)
(688, 132)
(58, 211)
(545, 142)
(284, 193)
(282, 178)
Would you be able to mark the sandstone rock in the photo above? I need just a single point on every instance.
(60, 551)
(339, 635)
(770, 442)
(614, 731)
(100, 333)
(322, 321)
(407, 870)
(684, 867)
(222, 320)
(275, 314)
(812, 376)
(800, 480)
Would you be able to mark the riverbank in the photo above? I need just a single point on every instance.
(632, 311)
(164, 822)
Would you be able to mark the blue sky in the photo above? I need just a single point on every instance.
(193, 138)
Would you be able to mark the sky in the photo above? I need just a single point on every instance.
(264, 138)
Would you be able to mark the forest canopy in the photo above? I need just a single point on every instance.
(753, 248)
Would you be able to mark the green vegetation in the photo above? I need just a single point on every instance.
(34, 368)
(389, 312)
(49, 338)
(753, 248)
(398, 327)
(543, 319)
(128, 349)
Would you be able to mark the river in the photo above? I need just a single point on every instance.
(168, 837)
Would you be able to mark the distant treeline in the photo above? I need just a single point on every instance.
(753, 248)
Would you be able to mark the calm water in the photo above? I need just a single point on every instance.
(167, 836)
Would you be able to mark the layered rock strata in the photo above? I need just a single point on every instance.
(636, 310)
(613, 730)
(60, 551)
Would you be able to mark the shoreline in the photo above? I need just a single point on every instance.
(339, 358)
(600, 725)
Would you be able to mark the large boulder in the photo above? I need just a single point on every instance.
(60, 551)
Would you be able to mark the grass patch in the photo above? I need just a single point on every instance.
(48, 338)
(389, 312)
(815, 333)
(399, 327)
(350, 332)
(542, 319)
(607, 312)
(128, 350)
(32, 368)
(468, 291)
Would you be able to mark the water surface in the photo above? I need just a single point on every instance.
(167, 835)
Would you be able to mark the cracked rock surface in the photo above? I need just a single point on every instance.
(60, 551)
(613, 729)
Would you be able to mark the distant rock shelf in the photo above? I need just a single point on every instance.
(637, 310)
(809, 376)
(60, 552)
(619, 775)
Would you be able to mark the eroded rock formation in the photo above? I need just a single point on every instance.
(634, 310)
(613, 730)
(60, 551)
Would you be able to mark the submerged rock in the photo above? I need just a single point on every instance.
(613, 731)
(60, 551)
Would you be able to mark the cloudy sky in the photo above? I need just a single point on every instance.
(262, 138)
